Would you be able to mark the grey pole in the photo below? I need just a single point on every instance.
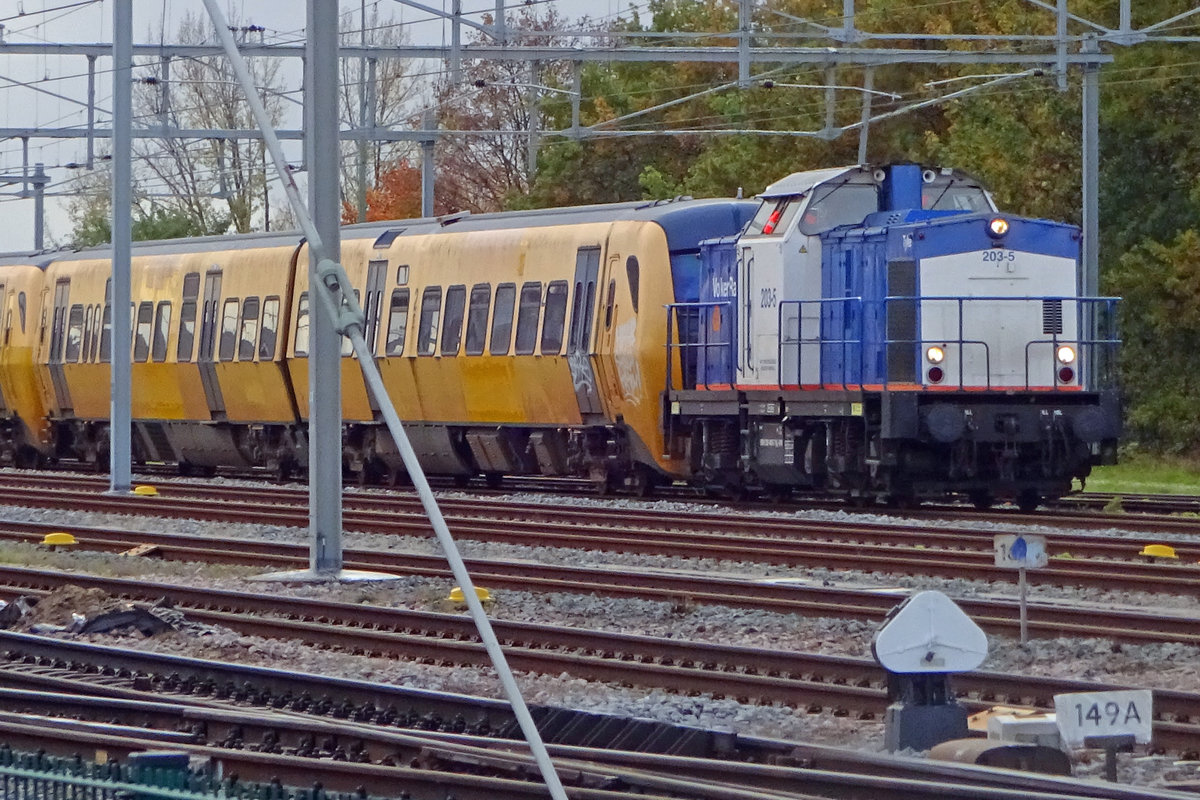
(119, 445)
(362, 119)
(1091, 173)
(501, 23)
(324, 358)
(428, 169)
(456, 42)
(868, 85)
(744, 17)
(39, 206)
(91, 111)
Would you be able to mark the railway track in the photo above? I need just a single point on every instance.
(683, 588)
(258, 741)
(1078, 559)
(812, 682)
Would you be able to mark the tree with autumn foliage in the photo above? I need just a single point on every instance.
(396, 195)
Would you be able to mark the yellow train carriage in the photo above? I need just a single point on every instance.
(24, 427)
(531, 342)
(209, 379)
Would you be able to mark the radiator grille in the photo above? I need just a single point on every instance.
(1052, 316)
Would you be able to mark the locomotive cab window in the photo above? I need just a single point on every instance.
(502, 319)
(89, 313)
(427, 325)
(248, 337)
(843, 204)
(555, 319)
(162, 329)
(527, 317)
(456, 298)
(477, 315)
(774, 216)
(397, 323)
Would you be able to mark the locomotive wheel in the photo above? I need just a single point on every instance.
(981, 499)
(1028, 501)
(493, 480)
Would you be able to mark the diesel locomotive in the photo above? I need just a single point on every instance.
(878, 333)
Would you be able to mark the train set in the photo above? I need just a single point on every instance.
(876, 333)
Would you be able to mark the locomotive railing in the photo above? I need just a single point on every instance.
(839, 343)
(699, 350)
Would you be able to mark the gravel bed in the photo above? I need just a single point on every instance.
(1167, 666)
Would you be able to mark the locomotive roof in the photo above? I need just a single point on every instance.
(802, 182)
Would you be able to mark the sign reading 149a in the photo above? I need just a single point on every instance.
(1085, 714)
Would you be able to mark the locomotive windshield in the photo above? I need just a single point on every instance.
(955, 194)
(841, 204)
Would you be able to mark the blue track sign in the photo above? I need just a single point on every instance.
(1020, 551)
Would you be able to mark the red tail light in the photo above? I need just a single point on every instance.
(1066, 374)
(936, 374)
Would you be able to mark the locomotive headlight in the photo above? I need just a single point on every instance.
(935, 355)
(997, 227)
(1065, 353)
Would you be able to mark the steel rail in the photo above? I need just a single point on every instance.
(810, 681)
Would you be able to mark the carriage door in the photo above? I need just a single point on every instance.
(579, 343)
(58, 331)
(372, 309)
(206, 357)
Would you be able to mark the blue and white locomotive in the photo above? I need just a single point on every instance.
(886, 333)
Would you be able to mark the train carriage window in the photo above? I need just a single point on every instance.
(527, 317)
(402, 274)
(229, 322)
(502, 319)
(248, 337)
(95, 353)
(106, 335)
(21, 308)
(74, 334)
(456, 298)
(187, 317)
(633, 273)
(187, 331)
(162, 331)
(397, 323)
(347, 343)
(555, 319)
(302, 326)
(270, 324)
(427, 327)
(609, 304)
(7, 326)
(141, 341)
(477, 314)
(88, 313)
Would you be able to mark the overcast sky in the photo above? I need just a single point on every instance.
(56, 94)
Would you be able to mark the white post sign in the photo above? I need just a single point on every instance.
(1105, 714)
(1021, 552)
